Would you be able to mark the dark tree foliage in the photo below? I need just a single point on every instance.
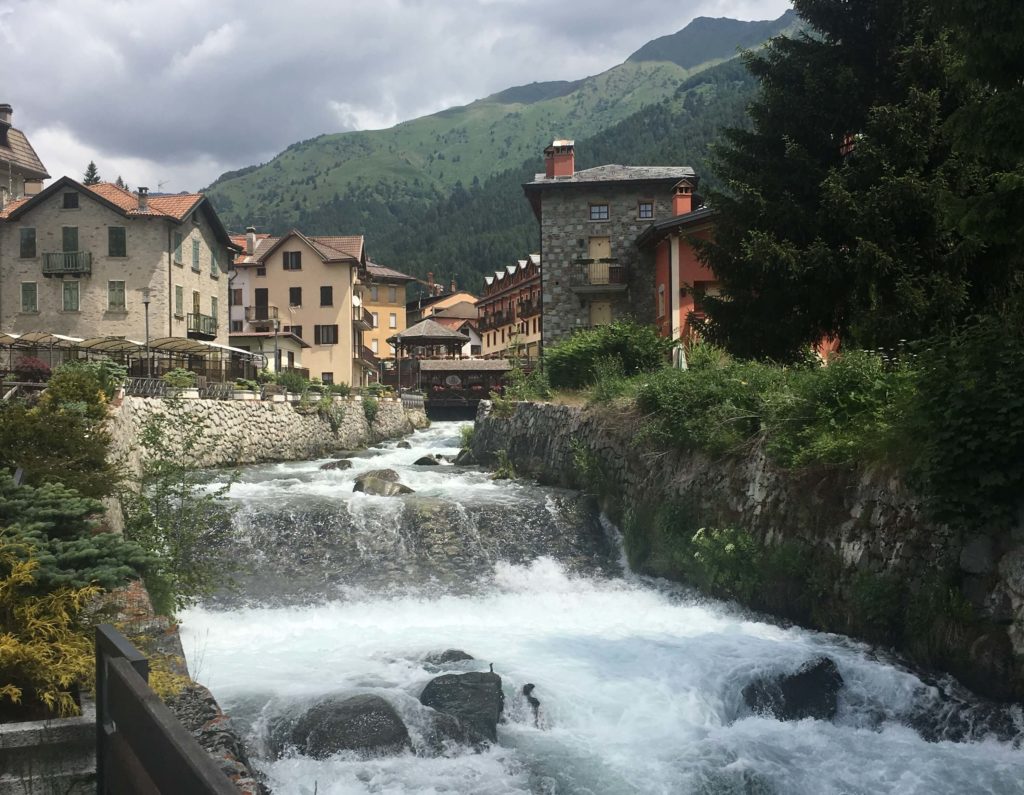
(92, 174)
(832, 214)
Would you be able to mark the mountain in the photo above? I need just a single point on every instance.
(418, 166)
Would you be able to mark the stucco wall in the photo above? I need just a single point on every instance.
(858, 525)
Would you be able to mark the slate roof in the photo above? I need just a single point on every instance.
(475, 365)
(616, 173)
(19, 153)
(331, 248)
(659, 230)
(383, 272)
(429, 330)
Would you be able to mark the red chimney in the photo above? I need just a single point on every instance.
(682, 197)
(560, 159)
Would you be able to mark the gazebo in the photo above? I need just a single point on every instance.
(428, 339)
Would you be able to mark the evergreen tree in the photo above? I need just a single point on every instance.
(832, 222)
(92, 175)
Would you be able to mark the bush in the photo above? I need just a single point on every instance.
(75, 390)
(571, 363)
(243, 383)
(180, 378)
(108, 374)
(293, 382)
(370, 409)
(29, 368)
(342, 390)
(466, 433)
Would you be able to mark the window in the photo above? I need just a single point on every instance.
(598, 212)
(375, 293)
(70, 296)
(326, 296)
(374, 345)
(177, 248)
(235, 297)
(645, 210)
(327, 378)
(294, 296)
(392, 295)
(296, 330)
(392, 320)
(70, 201)
(69, 239)
(236, 325)
(214, 307)
(115, 296)
(214, 265)
(293, 260)
(195, 256)
(261, 271)
(28, 242)
(325, 335)
(376, 323)
(117, 241)
(196, 307)
(179, 301)
(29, 297)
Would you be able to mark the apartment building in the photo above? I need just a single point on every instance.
(510, 310)
(383, 296)
(21, 171)
(593, 272)
(98, 260)
(306, 286)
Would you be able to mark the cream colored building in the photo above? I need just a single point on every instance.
(21, 171)
(383, 294)
(306, 286)
(78, 260)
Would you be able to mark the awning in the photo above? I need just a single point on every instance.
(110, 345)
(46, 339)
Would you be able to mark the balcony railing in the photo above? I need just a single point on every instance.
(494, 320)
(529, 308)
(361, 318)
(202, 326)
(598, 275)
(260, 314)
(61, 262)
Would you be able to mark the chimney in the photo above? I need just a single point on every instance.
(143, 199)
(430, 282)
(250, 240)
(682, 197)
(560, 159)
(453, 286)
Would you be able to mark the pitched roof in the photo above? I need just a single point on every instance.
(616, 173)
(19, 153)
(429, 331)
(511, 270)
(171, 205)
(662, 229)
(383, 272)
(330, 248)
(454, 323)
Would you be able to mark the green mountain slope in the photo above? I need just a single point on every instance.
(430, 159)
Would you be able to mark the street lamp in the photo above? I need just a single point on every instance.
(145, 304)
(277, 354)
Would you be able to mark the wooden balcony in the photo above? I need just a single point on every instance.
(530, 308)
(261, 314)
(362, 319)
(201, 327)
(598, 276)
(73, 263)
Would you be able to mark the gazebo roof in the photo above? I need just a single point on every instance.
(464, 365)
(428, 332)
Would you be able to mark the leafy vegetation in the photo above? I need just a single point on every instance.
(626, 347)
(180, 378)
(370, 408)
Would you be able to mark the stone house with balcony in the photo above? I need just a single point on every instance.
(21, 171)
(594, 273)
(510, 310)
(82, 260)
(306, 286)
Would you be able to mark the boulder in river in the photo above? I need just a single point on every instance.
(369, 484)
(367, 724)
(343, 463)
(810, 692)
(381, 474)
(426, 461)
(465, 458)
(403, 445)
(447, 656)
(474, 698)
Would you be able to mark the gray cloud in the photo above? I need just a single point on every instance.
(180, 90)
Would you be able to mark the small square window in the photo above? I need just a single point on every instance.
(296, 330)
(598, 212)
(645, 211)
(261, 271)
(70, 201)
(236, 325)
(327, 378)
(293, 260)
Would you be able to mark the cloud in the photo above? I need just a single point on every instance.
(181, 90)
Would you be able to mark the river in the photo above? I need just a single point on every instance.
(639, 680)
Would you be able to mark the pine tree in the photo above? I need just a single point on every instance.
(832, 223)
(92, 175)
(121, 183)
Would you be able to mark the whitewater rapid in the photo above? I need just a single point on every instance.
(639, 680)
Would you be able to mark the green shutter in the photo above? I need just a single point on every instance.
(177, 247)
(29, 302)
(70, 296)
(115, 295)
(117, 242)
(213, 308)
(28, 243)
(69, 238)
(195, 255)
(214, 267)
(179, 300)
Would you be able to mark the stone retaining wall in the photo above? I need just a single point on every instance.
(249, 432)
(862, 528)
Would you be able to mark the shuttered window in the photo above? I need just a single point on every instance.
(177, 248)
(71, 302)
(115, 296)
(325, 335)
(29, 297)
(117, 241)
(179, 301)
(27, 249)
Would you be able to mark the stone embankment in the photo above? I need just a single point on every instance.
(875, 564)
(238, 432)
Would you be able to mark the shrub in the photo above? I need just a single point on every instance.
(370, 409)
(180, 378)
(75, 390)
(109, 375)
(609, 380)
(727, 562)
(293, 382)
(343, 390)
(571, 363)
(243, 383)
(466, 433)
(29, 368)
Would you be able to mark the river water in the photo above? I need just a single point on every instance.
(639, 679)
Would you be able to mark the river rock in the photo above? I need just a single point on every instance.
(369, 484)
(367, 724)
(811, 692)
(341, 464)
(447, 656)
(465, 458)
(426, 461)
(403, 445)
(474, 698)
(381, 474)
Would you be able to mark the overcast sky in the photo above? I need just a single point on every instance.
(171, 93)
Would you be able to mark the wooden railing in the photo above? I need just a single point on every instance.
(60, 262)
(412, 401)
(140, 746)
(257, 314)
(204, 325)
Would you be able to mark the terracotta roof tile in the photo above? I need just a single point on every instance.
(348, 246)
(11, 206)
(175, 206)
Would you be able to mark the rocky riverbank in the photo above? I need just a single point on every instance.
(839, 549)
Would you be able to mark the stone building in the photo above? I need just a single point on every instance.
(21, 171)
(594, 273)
(510, 309)
(83, 260)
(305, 286)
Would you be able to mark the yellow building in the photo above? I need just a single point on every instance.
(383, 296)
